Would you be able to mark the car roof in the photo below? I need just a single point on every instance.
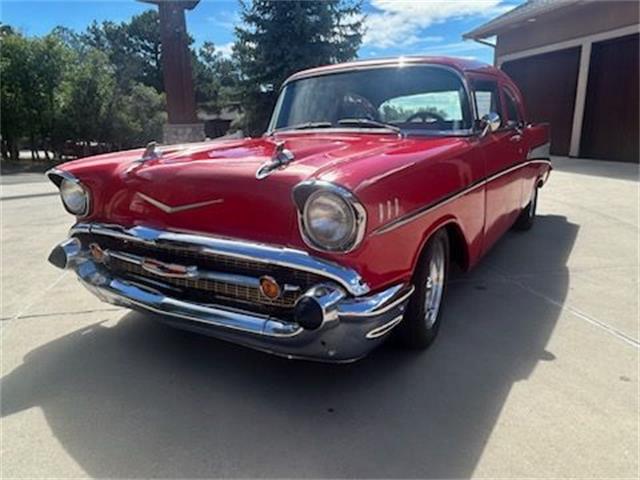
(460, 64)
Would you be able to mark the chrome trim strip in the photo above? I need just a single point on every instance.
(301, 193)
(181, 208)
(384, 329)
(377, 304)
(411, 216)
(542, 151)
(257, 252)
(55, 175)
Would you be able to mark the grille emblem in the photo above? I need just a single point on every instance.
(169, 270)
(181, 208)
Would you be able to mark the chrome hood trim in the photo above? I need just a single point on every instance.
(240, 249)
(180, 208)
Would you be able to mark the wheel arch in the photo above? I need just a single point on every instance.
(458, 245)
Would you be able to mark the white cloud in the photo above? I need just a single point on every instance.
(226, 49)
(398, 23)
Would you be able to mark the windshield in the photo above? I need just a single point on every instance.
(416, 99)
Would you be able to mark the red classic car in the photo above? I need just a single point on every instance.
(329, 232)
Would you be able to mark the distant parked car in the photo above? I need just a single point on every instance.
(332, 230)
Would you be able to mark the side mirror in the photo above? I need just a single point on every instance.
(490, 123)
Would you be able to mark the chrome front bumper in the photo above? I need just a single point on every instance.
(353, 321)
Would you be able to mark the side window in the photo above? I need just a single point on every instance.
(513, 114)
(487, 97)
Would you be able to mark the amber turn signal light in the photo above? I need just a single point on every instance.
(269, 287)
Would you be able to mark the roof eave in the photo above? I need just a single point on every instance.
(509, 19)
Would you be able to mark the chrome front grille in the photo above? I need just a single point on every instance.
(218, 289)
(206, 290)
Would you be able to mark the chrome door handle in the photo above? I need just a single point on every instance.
(515, 138)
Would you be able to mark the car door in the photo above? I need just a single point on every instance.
(502, 151)
(521, 137)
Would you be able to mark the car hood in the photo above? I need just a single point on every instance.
(212, 186)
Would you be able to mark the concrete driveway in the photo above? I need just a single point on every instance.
(535, 373)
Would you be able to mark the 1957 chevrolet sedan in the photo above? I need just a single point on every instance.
(331, 231)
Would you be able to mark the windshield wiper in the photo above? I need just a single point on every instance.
(367, 122)
(305, 126)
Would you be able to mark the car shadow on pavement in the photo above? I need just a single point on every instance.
(139, 399)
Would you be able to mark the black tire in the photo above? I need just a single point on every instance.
(417, 329)
(528, 215)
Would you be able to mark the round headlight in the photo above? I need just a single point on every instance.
(74, 197)
(330, 221)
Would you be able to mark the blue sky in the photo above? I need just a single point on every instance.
(395, 27)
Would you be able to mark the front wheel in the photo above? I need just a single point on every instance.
(528, 215)
(422, 318)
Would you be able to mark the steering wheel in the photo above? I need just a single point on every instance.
(357, 106)
(425, 115)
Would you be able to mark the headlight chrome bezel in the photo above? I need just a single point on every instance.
(59, 177)
(308, 191)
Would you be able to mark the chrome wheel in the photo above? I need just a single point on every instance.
(434, 284)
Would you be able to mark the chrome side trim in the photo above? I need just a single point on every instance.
(303, 190)
(56, 176)
(542, 151)
(384, 329)
(411, 216)
(257, 252)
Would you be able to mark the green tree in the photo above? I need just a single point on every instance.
(31, 71)
(143, 32)
(134, 48)
(14, 82)
(99, 89)
(6, 30)
(138, 117)
(278, 38)
(87, 99)
(215, 78)
(50, 63)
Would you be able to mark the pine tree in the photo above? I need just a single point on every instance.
(278, 38)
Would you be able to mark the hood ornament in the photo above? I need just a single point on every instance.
(150, 153)
(280, 158)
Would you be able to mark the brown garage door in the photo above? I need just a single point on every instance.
(548, 83)
(610, 124)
